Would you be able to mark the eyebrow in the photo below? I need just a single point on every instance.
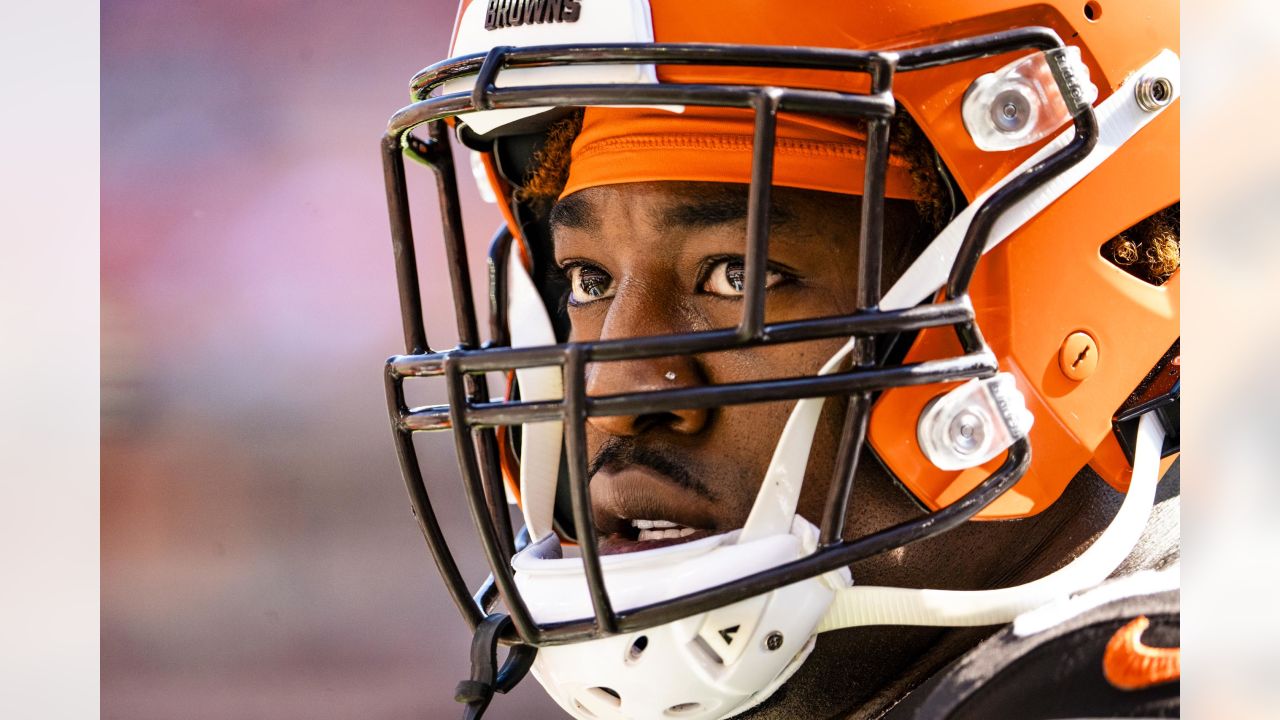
(572, 212)
(720, 209)
(701, 213)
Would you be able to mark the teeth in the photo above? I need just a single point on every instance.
(665, 534)
(660, 530)
(653, 524)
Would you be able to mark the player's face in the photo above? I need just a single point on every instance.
(653, 258)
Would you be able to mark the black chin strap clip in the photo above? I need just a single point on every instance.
(486, 677)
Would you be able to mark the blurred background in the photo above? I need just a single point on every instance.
(258, 554)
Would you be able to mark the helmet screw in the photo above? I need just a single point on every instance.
(773, 641)
(1153, 93)
(1078, 357)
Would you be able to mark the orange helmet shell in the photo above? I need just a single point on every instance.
(1047, 280)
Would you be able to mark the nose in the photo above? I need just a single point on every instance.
(639, 313)
(630, 376)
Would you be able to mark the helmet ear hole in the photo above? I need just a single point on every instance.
(637, 649)
(682, 709)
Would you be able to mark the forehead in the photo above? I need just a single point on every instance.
(692, 206)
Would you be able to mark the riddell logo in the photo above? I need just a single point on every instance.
(1068, 82)
(510, 13)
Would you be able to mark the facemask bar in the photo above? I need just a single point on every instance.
(473, 417)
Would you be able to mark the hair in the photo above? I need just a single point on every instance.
(1151, 250)
(933, 204)
(550, 170)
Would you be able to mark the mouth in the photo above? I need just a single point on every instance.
(649, 535)
(637, 509)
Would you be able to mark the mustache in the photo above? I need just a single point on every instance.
(620, 452)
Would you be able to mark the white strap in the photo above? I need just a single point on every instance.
(1119, 118)
(858, 606)
(775, 503)
(1143, 582)
(541, 441)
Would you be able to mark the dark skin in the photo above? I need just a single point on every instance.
(660, 257)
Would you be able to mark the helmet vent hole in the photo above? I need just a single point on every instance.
(637, 648)
(606, 696)
(1150, 250)
(1093, 11)
(682, 709)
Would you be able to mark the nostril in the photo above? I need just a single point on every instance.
(686, 422)
(639, 378)
(617, 425)
(657, 420)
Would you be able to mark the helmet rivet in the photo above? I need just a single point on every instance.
(1078, 357)
(773, 641)
(1153, 93)
(967, 433)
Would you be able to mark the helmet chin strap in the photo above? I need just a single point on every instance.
(1119, 117)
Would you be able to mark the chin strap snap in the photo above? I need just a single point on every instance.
(486, 677)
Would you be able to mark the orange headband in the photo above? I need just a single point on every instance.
(712, 144)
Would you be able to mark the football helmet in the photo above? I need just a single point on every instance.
(1015, 349)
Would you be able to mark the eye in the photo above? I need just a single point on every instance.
(727, 278)
(588, 283)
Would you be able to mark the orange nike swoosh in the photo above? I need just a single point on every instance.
(1128, 664)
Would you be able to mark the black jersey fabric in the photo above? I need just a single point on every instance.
(1055, 672)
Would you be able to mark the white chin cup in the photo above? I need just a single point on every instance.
(710, 665)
